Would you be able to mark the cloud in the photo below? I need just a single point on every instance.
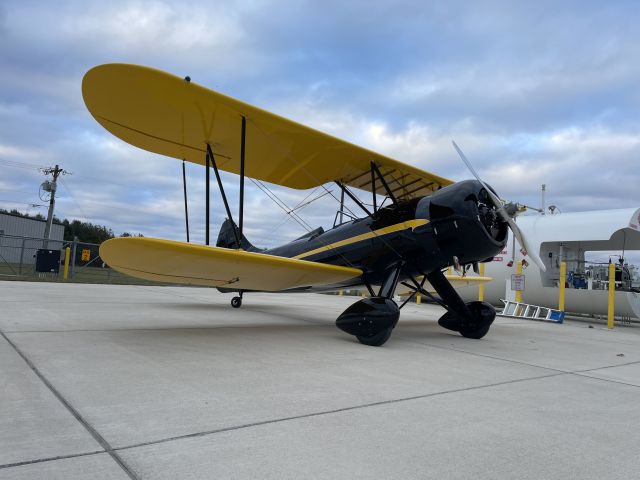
(531, 96)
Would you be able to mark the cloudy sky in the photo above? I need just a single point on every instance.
(534, 92)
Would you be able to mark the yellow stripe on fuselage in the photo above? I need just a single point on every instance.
(365, 236)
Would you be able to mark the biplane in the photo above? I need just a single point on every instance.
(425, 224)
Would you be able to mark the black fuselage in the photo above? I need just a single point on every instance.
(424, 233)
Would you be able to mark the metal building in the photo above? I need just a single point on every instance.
(20, 237)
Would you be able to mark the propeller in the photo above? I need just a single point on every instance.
(502, 212)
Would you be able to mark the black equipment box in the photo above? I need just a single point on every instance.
(47, 260)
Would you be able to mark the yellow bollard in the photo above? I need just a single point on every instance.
(363, 294)
(561, 284)
(519, 272)
(612, 294)
(418, 299)
(67, 255)
(481, 286)
(341, 292)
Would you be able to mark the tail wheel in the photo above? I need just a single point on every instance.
(236, 302)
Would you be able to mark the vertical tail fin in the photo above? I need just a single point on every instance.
(227, 239)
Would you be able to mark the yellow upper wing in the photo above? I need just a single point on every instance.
(166, 114)
(178, 262)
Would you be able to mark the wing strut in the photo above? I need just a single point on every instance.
(211, 161)
(224, 195)
(243, 134)
(186, 210)
(206, 210)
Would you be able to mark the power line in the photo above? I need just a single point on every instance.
(15, 191)
(28, 166)
(64, 184)
(21, 203)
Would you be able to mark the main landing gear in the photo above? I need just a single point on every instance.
(475, 326)
(471, 320)
(371, 320)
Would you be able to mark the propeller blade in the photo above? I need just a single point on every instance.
(494, 198)
(517, 233)
(468, 163)
(522, 240)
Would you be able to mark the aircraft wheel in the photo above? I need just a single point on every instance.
(236, 302)
(484, 314)
(476, 333)
(376, 340)
(370, 320)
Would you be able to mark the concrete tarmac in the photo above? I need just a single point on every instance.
(116, 382)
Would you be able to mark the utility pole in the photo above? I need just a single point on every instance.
(51, 188)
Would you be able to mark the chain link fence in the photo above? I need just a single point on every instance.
(19, 260)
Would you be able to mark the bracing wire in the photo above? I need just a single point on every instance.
(306, 171)
(281, 204)
(299, 206)
(293, 214)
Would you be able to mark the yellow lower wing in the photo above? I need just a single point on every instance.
(456, 280)
(460, 281)
(179, 262)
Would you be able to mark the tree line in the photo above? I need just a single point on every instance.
(85, 231)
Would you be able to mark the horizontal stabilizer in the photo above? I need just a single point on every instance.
(178, 262)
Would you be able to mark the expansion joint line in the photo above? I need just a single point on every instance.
(333, 411)
(92, 431)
